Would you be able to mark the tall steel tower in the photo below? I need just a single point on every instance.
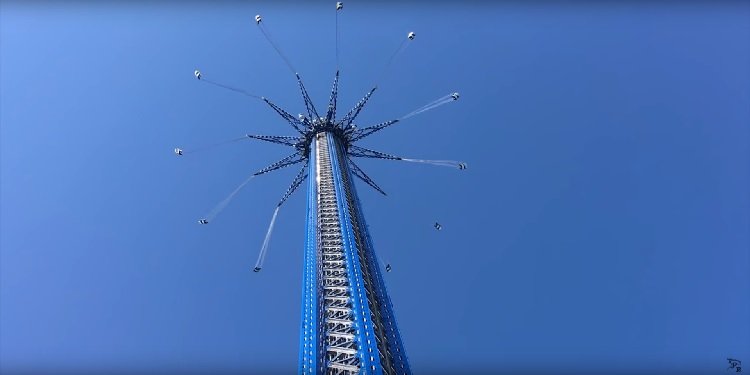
(347, 318)
(348, 325)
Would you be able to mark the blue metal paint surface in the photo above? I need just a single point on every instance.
(358, 260)
(365, 332)
(308, 360)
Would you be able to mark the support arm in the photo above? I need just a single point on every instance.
(364, 132)
(282, 140)
(308, 103)
(301, 176)
(287, 116)
(287, 161)
(334, 97)
(349, 118)
(361, 152)
(357, 171)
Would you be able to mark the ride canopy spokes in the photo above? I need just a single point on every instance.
(307, 126)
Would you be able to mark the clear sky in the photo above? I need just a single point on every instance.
(603, 223)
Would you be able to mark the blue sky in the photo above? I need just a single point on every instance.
(603, 223)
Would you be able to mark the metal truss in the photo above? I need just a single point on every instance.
(341, 349)
(308, 103)
(295, 183)
(354, 112)
(331, 114)
(285, 162)
(364, 132)
(362, 152)
(364, 177)
(296, 124)
(278, 139)
(373, 306)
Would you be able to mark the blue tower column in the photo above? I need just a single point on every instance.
(310, 356)
(348, 325)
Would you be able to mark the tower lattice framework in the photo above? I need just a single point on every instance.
(348, 325)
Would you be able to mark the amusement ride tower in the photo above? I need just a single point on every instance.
(347, 319)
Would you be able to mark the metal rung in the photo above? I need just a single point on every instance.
(347, 336)
(345, 299)
(333, 280)
(337, 304)
(343, 367)
(329, 293)
(339, 279)
(340, 321)
(339, 309)
(339, 284)
(336, 291)
(339, 349)
(336, 288)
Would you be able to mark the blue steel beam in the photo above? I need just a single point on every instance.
(308, 102)
(357, 171)
(342, 282)
(365, 132)
(309, 361)
(352, 114)
(285, 162)
(362, 152)
(390, 345)
(287, 116)
(395, 343)
(278, 139)
(365, 334)
(331, 114)
(301, 175)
